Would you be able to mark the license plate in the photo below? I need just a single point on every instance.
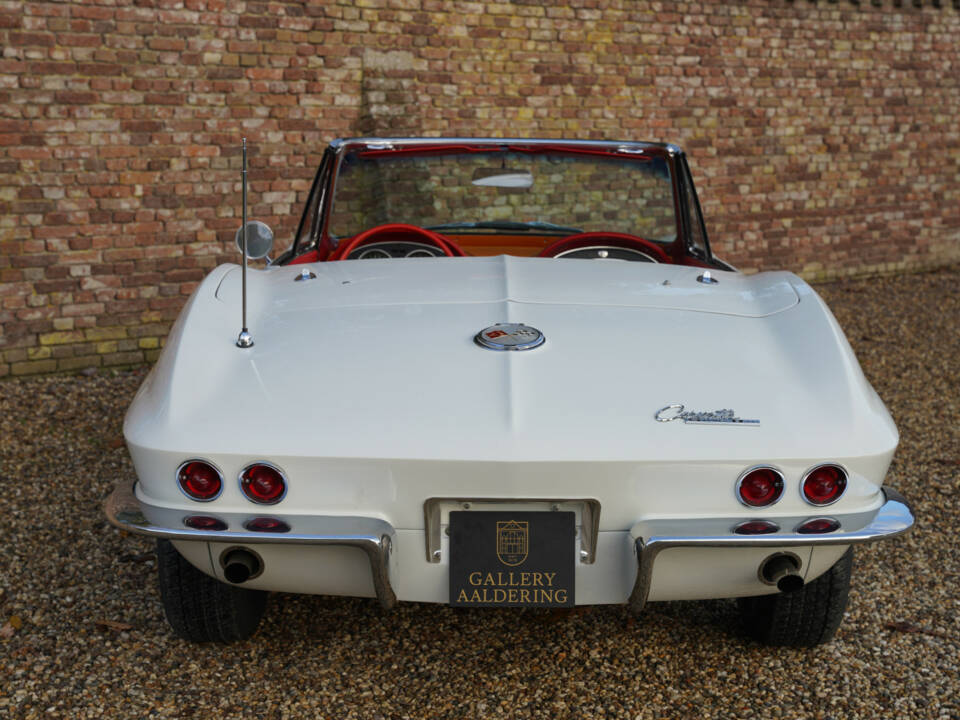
(512, 559)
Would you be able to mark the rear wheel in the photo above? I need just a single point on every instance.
(804, 618)
(202, 609)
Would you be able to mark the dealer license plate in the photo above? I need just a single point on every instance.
(512, 559)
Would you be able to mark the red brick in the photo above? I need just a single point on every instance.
(31, 39)
(73, 97)
(119, 144)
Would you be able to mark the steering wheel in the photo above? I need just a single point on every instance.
(609, 239)
(398, 232)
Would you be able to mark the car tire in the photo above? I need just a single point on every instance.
(810, 616)
(202, 609)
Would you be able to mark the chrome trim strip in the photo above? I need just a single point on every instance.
(893, 518)
(373, 536)
(589, 519)
(392, 143)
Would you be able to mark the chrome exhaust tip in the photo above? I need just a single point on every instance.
(783, 571)
(240, 565)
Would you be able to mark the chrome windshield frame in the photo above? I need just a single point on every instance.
(624, 149)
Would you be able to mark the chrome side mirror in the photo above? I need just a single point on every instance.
(259, 239)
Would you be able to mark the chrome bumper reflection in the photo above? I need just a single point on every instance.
(373, 536)
(893, 518)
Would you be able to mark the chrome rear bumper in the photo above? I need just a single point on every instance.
(893, 518)
(375, 537)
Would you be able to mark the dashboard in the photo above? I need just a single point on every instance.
(395, 249)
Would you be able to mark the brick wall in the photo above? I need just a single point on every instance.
(824, 136)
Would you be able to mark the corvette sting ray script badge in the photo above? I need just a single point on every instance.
(689, 417)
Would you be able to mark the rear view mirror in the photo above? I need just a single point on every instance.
(502, 178)
(259, 239)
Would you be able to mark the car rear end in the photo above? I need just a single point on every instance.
(667, 440)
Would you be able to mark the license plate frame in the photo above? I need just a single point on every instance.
(510, 558)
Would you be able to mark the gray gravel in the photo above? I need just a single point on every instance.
(92, 641)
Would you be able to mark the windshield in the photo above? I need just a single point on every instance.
(545, 192)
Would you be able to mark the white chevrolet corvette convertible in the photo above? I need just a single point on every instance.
(506, 372)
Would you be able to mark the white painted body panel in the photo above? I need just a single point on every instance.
(365, 387)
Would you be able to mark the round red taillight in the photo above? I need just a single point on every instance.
(200, 480)
(204, 522)
(824, 484)
(760, 486)
(756, 527)
(817, 526)
(263, 483)
(267, 524)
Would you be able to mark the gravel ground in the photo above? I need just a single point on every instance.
(83, 634)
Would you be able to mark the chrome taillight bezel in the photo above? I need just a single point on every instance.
(818, 466)
(834, 525)
(219, 472)
(283, 477)
(770, 527)
(217, 525)
(254, 524)
(754, 468)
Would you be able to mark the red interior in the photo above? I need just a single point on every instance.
(610, 239)
(488, 244)
(478, 244)
(397, 232)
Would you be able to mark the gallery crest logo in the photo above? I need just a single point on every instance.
(513, 542)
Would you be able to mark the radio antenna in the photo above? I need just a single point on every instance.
(244, 339)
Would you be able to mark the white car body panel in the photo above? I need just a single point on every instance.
(366, 388)
(616, 365)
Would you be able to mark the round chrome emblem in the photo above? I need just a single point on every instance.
(509, 336)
